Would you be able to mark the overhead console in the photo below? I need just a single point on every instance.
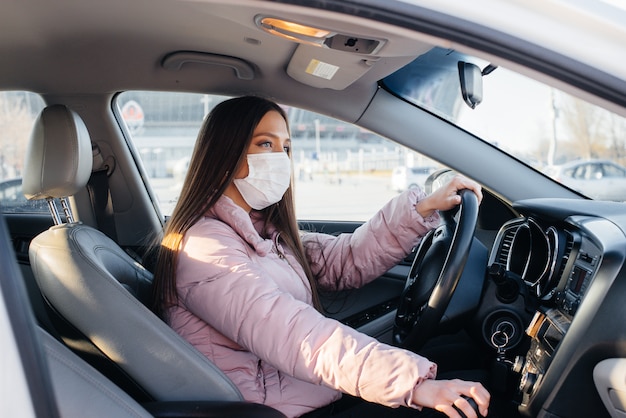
(333, 58)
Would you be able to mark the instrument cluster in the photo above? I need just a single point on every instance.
(555, 263)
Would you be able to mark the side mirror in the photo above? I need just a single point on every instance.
(471, 78)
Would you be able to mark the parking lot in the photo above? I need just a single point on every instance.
(323, 197)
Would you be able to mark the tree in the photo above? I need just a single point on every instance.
(586, 127)
(617, 127)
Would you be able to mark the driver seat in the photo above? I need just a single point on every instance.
(95, 285)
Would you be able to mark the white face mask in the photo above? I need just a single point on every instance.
(268, 178)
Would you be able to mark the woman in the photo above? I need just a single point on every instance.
(236, 279)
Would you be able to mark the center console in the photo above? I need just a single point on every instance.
(549, 325)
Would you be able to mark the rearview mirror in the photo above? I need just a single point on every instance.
(471, 79)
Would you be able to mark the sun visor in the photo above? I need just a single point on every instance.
(327, 68)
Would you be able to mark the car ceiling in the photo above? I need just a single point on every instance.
(76, 47)
(82, 47)
(82, 52)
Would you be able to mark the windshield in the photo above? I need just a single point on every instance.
(574, 142)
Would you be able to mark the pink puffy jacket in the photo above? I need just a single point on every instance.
(245, 302)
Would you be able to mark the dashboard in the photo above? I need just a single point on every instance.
(566, 263)
(556, 264)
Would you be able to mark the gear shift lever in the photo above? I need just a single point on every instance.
(473, 404)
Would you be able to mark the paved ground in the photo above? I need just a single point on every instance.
(325, 197)
(354, 198)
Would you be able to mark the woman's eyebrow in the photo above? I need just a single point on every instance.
(271, 135)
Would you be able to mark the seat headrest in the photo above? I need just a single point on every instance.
(59, 158)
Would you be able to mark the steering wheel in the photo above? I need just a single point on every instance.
(435, 273)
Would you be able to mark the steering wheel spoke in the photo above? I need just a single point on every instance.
(435, 272)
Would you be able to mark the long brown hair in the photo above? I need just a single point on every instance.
(221, 147)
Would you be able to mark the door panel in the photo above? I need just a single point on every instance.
(370, 309)
(23, 227)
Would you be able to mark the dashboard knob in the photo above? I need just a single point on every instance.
(527, 382)
(518, 364)
(574, 306)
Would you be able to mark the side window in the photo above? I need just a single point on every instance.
(613, 171)
(18, 110)
(341, 171)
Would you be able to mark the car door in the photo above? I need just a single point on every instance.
(371, 309)
(29, 392)
(613, 185)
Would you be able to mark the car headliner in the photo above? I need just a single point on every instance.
(57, 47)
(77, 47)
(81, 53)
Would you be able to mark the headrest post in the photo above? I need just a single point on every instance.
(53, 211)
(67, 210)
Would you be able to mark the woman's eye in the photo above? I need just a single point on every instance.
(286, 149)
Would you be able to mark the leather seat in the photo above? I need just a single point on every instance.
(97, 286)
(80, 390)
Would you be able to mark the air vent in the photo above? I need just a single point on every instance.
(567, 251)
(505, 245)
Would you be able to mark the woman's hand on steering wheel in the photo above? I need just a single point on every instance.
(447, 196)
(438, 263)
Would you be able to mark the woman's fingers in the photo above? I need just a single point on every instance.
(447, 396)
(482, 398)
(459, 182)
(447, 196)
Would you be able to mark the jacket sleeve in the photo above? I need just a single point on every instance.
(219, 283)
(353, 260)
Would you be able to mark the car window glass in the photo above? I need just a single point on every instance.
(18, 111)
(612, 171)
(341, 171)
(595, 171)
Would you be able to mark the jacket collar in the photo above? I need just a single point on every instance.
(244, 224)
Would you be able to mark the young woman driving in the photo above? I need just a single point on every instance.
(239, 281)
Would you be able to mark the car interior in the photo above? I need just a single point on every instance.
(62, 384)
(525, 290)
